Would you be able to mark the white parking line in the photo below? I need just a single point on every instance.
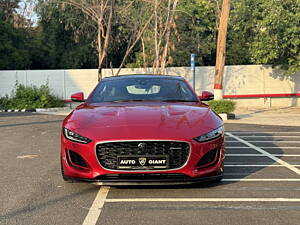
(203, 200)
(267, 132)
(96, 208)
(101, 198)
(237, 147)
(280, 161)
(261, 179)
(260, 155)
(258, 165)
(266, 141)
(255, 136)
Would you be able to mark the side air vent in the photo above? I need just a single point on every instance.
(75, 160)
(208, 159)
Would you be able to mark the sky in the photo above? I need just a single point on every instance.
(27, 10)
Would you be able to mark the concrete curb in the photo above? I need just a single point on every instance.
(37, 110)
(227, 116)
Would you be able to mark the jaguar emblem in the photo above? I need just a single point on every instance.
(142, 161)
(142, 145)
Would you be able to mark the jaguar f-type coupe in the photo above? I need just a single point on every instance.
(142, 129)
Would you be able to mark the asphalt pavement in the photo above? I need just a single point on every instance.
(261, 183)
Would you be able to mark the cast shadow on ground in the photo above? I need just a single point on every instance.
(241, 172)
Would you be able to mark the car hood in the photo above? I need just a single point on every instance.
(134, 121)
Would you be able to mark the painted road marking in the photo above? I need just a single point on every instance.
(96, 208)
(203, 200)
(280, 161)
(267, 132)
(261, 179)
(274, 141)
(237, 147)
(262, 155)
(255, 136)
(254, 165)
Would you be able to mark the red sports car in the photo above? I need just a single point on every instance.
(142, 129)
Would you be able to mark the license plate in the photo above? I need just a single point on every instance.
(143, 162)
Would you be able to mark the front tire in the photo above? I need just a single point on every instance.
(65, 178)
(217, 180)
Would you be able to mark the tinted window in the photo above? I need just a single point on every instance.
(142, 89)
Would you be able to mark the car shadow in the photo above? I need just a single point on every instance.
(239, 172)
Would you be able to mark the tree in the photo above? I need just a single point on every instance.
(134, 22)
(101, 13)
(8, 9)
(13, 48)
(276, 40)
(163, 25)
(221, 49)
(195, 33)
(102, 16)
(156, 41)
(61, 41)
(14, 41)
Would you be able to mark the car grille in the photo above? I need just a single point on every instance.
(177, 152)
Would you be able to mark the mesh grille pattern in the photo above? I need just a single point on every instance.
(177, 152)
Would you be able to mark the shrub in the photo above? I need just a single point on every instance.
(222, 106)
(30, 98)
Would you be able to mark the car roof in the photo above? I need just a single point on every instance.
(143, 76)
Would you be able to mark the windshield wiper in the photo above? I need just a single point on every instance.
(145, 100)
(131, 100)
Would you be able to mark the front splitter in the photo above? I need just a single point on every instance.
(142, 182)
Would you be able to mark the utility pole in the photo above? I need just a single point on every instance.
(221, 49)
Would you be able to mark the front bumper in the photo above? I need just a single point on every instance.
(180, 180)
(189, 173)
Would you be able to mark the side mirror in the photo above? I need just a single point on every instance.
(77, 97)
(206, 96)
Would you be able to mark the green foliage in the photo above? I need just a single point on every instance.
(8, 8)
(222, 106)
(265, 32)
(30, 98)
(277, 32)
(64, 38)
(260, 32)
(13, 47)
(195, 33)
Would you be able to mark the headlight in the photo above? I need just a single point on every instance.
(76, 137)
(211, 135)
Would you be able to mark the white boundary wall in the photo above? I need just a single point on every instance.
(238, 80)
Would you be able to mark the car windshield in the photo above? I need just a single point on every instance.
(142, 89)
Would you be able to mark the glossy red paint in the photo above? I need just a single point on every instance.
(77, 97)
(207, 96)
(141, 121)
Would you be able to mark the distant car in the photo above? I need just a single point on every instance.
(142, 129)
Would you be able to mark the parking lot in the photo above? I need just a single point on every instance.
(261, 183)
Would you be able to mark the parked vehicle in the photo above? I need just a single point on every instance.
(139, 129)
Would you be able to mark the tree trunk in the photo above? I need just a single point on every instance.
(103, 49)
(144, 55)
(156, 59)
(167, 39)
(221, 49)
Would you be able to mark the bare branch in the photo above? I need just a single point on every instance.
(140, 33)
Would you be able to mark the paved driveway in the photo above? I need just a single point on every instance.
(261, 184)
